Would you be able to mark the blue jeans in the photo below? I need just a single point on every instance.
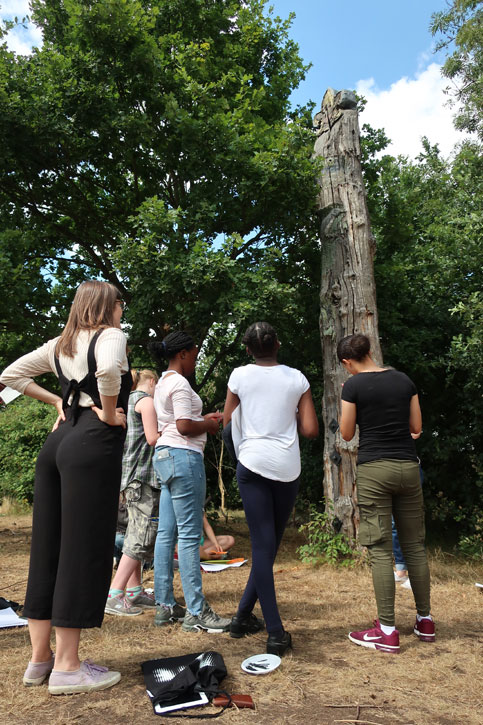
(181, 473)
(118, 544)
(396, 550)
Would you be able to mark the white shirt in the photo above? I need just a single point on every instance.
(269, 397)
(175, 399)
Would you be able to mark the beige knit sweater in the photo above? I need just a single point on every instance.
(110, 354)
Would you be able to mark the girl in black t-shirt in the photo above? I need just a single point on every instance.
(384, 403)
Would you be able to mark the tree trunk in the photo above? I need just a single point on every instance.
(348, 293)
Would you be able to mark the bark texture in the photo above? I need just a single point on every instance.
(348, 293)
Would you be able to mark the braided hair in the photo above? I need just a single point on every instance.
(261, 339)
(170, 345)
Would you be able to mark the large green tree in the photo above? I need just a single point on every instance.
(152, 144)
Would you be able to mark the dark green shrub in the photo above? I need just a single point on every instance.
(471, 545)
(325, 545)
(24, 426)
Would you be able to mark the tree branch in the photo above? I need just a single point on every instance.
(254, 240)
(218, 357)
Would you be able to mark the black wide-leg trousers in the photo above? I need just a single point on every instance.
(76, 499)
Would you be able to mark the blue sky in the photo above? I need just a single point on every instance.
(349, 40)
(381, 48)
(384, 50)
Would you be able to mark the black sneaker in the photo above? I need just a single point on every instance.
(241, 625)
(278, 645)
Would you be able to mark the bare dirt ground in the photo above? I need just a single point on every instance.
(326, 680)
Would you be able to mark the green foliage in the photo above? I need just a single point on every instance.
(461, 24)
(472, 544)
(428, 223)
(324, 544)
(159, 151)
(24, 426)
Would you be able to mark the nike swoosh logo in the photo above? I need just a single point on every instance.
(367, 638)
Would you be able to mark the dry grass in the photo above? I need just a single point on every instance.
(326, 679)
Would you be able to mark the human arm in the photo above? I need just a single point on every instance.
(183, 399)
(415, 417)
(210, 534)
(307, 423)
(19, 374)
(36, 391)
(347, 422)
(145, 407)
(209, 424)
(109, 413)
(111, 361)
(232, 401)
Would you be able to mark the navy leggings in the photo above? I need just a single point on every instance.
(267, 506)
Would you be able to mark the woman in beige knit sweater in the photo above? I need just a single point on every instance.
(77, 481)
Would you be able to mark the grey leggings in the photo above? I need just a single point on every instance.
(385, 488)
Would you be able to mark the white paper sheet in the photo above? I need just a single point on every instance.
(8, 394)
(8, 618)
(221, 565)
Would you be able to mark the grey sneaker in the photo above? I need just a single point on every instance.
(168, 615)
(88, 678)
(121, 607)
(207, 621)
(37, 672)
(144, 599)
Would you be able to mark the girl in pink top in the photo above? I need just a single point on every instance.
(178, 462)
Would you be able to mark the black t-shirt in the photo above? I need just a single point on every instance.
(382, 402)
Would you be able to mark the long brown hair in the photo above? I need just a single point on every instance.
(92, 309)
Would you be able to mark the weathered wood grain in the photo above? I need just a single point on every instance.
(347, 293)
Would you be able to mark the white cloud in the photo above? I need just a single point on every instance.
(410, 109)
(20, 39)
(12, 8)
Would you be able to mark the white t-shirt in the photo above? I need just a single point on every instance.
(269, 396)
(175, 399)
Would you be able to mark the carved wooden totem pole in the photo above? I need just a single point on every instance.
(348, 293)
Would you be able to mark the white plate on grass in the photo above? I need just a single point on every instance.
(260, 664)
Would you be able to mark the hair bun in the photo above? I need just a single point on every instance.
(173, 343)
(261, 339)
(157, 349)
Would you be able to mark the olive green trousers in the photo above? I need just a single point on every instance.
(388, 488)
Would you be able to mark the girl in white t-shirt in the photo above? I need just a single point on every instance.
(274, 404)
